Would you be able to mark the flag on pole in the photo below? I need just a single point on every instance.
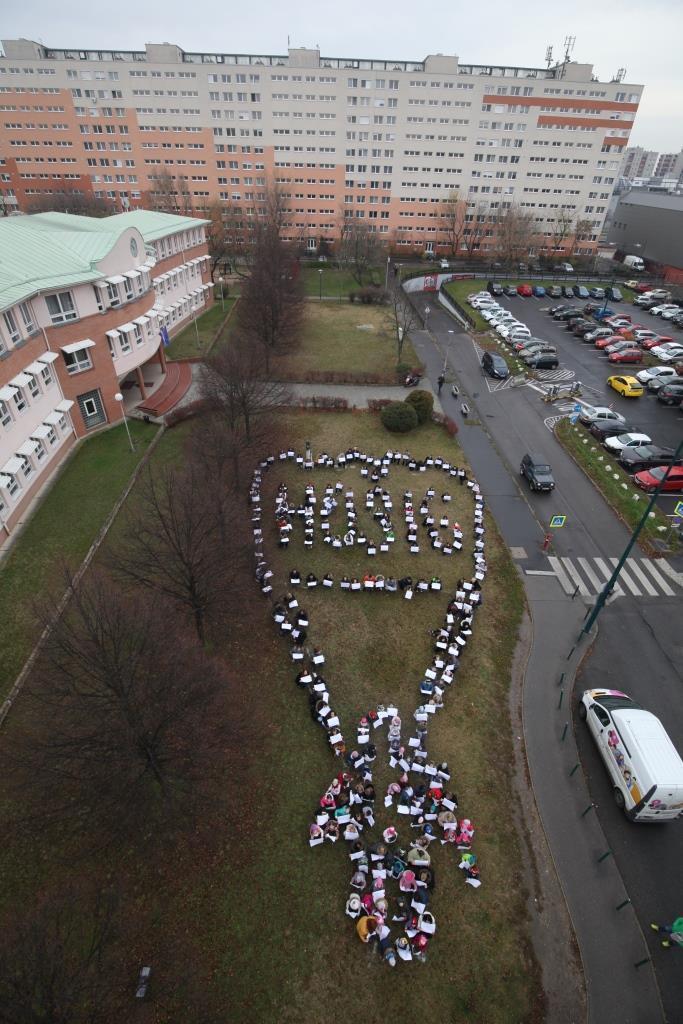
(163, 334)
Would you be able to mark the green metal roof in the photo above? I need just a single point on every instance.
(46, 251)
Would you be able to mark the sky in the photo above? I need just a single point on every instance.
(643, 37)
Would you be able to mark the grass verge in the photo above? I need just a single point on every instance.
(193, 342)
(335, 283)
(61, 530)
(613, 482)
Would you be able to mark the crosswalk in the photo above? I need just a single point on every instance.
(639, 577)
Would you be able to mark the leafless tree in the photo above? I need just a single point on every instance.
(561, 229)
(359, 249)
(514, 233)
(583, 230)
(402, 318)
(452, 221)
(52, 961)
(83, 204)
(171, 194)
(171, 544)
(234, 383)
(476, 225)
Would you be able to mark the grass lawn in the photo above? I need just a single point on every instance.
(185, 344)
(613, 482)
(346, 342)
(60, 531)
(336, 283)
(294, 951)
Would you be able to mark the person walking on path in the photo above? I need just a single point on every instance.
(440, 380)
(674, 932)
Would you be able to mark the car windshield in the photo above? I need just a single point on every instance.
(658, 472)
(611, 703)
(541, 467)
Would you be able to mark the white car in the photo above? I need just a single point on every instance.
(650, 372)
(670, 313)
(598, 413)
(621, 441)
(477, 295)
(665, 308)
(667, 352)
(512, 332)
(444, 264)
(504, 328)
(491, 312)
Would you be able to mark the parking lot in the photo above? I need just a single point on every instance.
(663, 424)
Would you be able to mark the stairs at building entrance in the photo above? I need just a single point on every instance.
(175, 386)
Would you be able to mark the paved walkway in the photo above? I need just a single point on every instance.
(357, 394)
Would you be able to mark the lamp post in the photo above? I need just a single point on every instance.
(386, 276)
(118, 397)
(220, 281)
(320, 284)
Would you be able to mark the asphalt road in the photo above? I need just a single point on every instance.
(639, 643)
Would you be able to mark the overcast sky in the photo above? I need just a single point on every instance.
(644, 37)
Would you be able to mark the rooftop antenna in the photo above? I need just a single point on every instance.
(568, 47)
(620, 75)
(549, 55)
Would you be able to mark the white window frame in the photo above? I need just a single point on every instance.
(46, 376)
(6, 418)
(75, 362)
(12, 326)
(27, 317)
(63, 315)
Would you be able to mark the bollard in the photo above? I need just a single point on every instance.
(571, 652)
(573, 769)
(624, 903)
(589, 808)
(640, 963)
(559, 703)
(564, 731)
(604, 856)
(561, 679)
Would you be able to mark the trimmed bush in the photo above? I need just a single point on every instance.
(423, 403)
(399, 417)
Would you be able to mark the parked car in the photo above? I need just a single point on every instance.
(669, 314)
(506, 326)
(668, 353)
(641, 287)
(531, 352)
(565, 268)
(645, 457)
(516, 332)
(629, 387)
(596, 413)
(626, 355)
(580, 327)
(444, 265)
(608, 428)
(597, 333)
(554, 291)
(650, 372)
(641, 334)
(597, 293)
(620, 441)
(613, 294)
(655, 384)
(509, 289)
(559, 308)
(649, 479)
(567, 313)
(581, 292)
(525, 290)
(567, 291)
(619, 318)
(670, 394)
(659, 339)
(660, 308)
(537, 472)
(543, 361)
(538, 291)
(611, 339)
(658, 293)
(494, 288)
(618, 346)
(494, 365)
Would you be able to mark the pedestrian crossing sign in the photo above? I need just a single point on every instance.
(678, 508)
(557, 521)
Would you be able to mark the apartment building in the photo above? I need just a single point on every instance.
(639, 162)
(85, 305)
(384, 142)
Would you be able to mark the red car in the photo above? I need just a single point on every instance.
(612, 340)
(627, 328)
(660, 339)
(627, 355)
(649, 479)
(525, 290)
(642, 287)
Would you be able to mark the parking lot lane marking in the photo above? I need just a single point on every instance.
(637, 571)
(601, 565)
(585, 565)
(578, 582)
(656, 575)
(564, 580)
(625, 578)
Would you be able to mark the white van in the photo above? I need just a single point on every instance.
(645, 767)
(634, 262)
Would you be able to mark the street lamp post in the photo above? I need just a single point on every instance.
(386, 276)
(118, 397)
(220, 281)
(320, 284)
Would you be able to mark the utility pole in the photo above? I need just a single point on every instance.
(609, 586)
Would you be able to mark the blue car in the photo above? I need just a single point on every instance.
(600, 314)
(538, 291)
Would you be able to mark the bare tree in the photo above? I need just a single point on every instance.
(475, 228)
(171, 194)
(452, 221)
(171, 544)
(514, 234)
(561, 229)
(402, 318)
(119, 739)
(583, 230)
(234, 382)
(84, 204)
(272, 306)
(52, 961)
(359, 249)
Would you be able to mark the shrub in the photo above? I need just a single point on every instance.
(186, 412)
(377, 404)
(399, 417)
(423, 402)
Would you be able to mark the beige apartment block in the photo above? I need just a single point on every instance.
(380, 141)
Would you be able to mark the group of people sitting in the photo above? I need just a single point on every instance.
(420, 794)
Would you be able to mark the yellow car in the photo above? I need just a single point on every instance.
(629, 387)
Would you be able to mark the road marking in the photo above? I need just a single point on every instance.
(677, 577)
(540, 572)
(625, 578)
(565, 582)
(578, 582)
(602, 567)
(583, 562)
(637, 571)
(654, 572)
